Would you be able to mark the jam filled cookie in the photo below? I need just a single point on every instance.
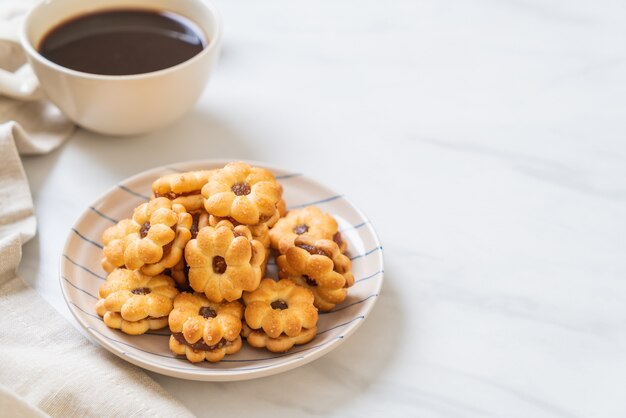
(164, 230)
(279, 315)
(183, 188)
(310, 221)
(115, 240)
(260, 232)
(135, 303)
(204, 330)
(224, 261)
(319, 266)
(246, 194)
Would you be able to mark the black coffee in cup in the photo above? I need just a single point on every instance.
(123, 42)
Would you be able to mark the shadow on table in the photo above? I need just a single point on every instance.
(197, 136)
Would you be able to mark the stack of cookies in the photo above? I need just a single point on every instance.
(193, 259)
(137, 296)
(312, 254)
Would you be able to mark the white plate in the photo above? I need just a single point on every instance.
(82, 276)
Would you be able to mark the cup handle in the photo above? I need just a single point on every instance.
(21, 84)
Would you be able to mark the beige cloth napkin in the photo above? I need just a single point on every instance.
(47, 368)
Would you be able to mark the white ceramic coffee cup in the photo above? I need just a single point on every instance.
(115, 105)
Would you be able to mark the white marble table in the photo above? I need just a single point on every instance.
(485, 141)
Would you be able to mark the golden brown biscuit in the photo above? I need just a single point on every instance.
(224, 261)
(319, 266)
(115, 240)
(183, 188)
(135, 303)
(204, 330)
(309, 220)
(164, 231)
(248, 195)
(260, 232)
(280, 307)
(281, 311)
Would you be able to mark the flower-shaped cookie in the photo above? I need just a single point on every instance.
(115, 240)
(204, 330)
(309, 220)
(281, 310)
(224, 261)
(260, 232)
(164, 231)
(183, 188)
(135, 303)
(319, 266)
(246, 194)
